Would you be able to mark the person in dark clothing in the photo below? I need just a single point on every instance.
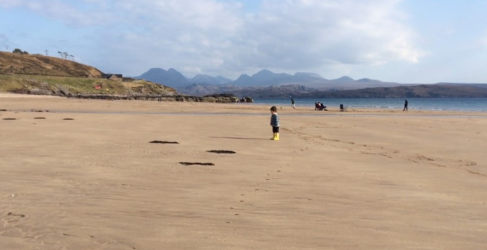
(405, 105)
(275, 123)
(292, 103)
(322, 107)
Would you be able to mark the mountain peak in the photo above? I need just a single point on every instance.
(300, 74)
(366, 80)
(344, 79)
(171, 78)
(264, 72)
(243, 76)
(155, 70)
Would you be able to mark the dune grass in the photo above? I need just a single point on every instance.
(75, 85)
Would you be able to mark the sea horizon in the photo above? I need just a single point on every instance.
(446, 104)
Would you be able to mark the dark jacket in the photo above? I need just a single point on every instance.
(275, 120)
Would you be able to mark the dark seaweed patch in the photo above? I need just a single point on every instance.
(165, 142)
(221, 151)
(197, 163)
(9, 119)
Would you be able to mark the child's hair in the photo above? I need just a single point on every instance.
(273, 108)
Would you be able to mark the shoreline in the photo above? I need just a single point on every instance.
(263, 106)
(375, 113)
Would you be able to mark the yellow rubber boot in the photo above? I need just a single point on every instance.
(277, 137)
(273, 136)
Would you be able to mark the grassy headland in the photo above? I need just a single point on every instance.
(45, 85)
(45, 75)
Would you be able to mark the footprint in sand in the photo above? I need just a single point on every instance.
(13, 217)
(19, 215)
(467, 163)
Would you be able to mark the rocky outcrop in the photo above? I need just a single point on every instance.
(247, 99)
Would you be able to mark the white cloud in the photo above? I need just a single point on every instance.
(211, 36)
(305, 32)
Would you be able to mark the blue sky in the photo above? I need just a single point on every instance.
(406, 41)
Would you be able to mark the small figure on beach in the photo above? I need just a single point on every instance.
(405, 105)
(275, 123)
(322, 107)
(319, 106)
(292, 103)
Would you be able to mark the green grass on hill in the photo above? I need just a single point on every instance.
(75, 85)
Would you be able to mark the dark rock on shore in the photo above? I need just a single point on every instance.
(247, 99)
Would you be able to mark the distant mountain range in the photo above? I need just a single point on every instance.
(266, 84)
(263, 78)
(418, 91)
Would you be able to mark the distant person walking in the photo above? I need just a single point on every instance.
(275, 123)
(405, 105)
(292, 103)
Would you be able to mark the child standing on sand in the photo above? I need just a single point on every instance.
(275, 123)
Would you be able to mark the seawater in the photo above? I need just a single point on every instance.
(453, 104)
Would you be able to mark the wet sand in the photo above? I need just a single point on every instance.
(365, 179)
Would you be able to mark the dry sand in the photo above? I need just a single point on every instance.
(354, 180)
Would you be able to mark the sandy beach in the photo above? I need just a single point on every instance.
(364, 179)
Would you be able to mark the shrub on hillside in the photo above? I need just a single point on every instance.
(19, 51)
